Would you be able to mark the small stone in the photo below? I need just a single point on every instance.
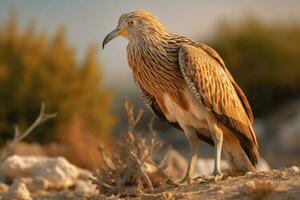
(18, 191)
(249, 185)
(248, 174)
(85, 187)
(293, 169)
(220, 192)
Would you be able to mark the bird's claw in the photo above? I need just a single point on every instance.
(217, 175)
(185, 180)
(201, 178)
(170, 182)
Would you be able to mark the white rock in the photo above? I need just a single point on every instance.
(17, 166)
(17, 191)
(57, 171)
(293, 169)
(85, 187)
(248, 174)
(39, 172)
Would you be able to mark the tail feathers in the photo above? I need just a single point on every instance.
(251, 150)
(239, 160)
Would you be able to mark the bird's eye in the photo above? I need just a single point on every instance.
(131, 23)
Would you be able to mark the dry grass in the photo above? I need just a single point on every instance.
(259, 189)
(131, 170)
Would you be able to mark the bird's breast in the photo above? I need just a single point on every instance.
(155, 71)
(186, 110)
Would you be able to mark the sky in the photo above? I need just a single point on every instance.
(88, 22)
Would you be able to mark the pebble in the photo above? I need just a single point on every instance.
(250, 184)
(248, 174)
(220, 192)
(293, 169)
(18, 191)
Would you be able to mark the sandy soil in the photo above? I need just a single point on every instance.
(276, 184)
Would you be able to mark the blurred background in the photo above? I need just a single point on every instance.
(50, 51)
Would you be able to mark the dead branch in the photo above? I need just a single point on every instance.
(141, 171)
(132, 120)
(18, 136)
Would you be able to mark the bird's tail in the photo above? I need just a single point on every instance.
(237, 158)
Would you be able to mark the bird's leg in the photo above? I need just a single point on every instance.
(217, 136)
(191, 167)
(193, 140)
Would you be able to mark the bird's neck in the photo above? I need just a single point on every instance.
(150, 36)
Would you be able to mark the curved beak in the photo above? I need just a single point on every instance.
(115, 33)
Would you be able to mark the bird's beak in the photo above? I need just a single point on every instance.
(115, 33)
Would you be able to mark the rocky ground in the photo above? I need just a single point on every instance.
(28, 184)
(276, 184)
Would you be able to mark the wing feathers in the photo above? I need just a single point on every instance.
(211, 83)
(213, 54)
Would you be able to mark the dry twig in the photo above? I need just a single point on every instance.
(18, 136)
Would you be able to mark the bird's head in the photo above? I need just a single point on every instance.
(136, 24)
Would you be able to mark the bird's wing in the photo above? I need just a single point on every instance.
(212, 53)
(211, 83)
(153, 106)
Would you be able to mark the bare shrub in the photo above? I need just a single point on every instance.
(131, 170)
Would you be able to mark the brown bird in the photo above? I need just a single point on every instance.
(188, 85)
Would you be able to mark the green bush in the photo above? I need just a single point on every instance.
(35, 69)
(264, 60)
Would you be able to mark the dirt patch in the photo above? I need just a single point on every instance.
(276, 184)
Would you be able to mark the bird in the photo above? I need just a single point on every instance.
(187, 84)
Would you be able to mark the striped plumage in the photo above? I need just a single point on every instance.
(188, 85)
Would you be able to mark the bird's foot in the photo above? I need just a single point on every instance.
(202, 178)
(217, 175)
(185, 180)
(170, 182)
